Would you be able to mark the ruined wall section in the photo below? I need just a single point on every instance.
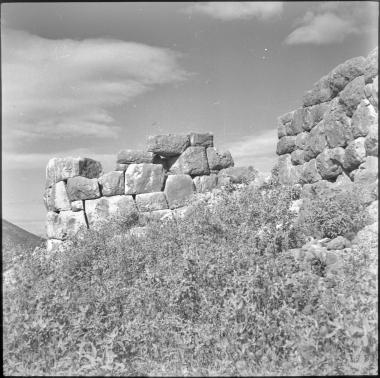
(334, 135)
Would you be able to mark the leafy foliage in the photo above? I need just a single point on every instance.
(217, 293)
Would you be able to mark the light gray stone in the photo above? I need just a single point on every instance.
(218, 160)
(151, 201)
(168, 145)
(367, 172)
(373, 211)
(238, 175)
(371, 91)
(193, 161)
(65, 224)
(82, 188)
(77, 205)
(321, 92)
(286, 145)
(54, 245)
(202, 139)
(298, 157)
(296, 125)
(329, 162)
(364, 116)
(283, 122)
(205, 183)
(338, 243)
(309, 173)
(352, 94)
(372, 141)
(134, 157)
(112, 183)
(178, 189)
(121, 167)
(354, 154)
(144, 178)
(157, 215)
(312, 115)
(288, 173)
(117, 208)
(301, 140)
(55, 197)
(59, 169)
(315, 142)
(371, 65)
(223, 181)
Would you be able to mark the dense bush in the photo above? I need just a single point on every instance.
(217, 293)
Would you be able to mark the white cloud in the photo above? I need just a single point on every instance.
(228, 11)
(53, 88)
(256, 150)
(333, 22)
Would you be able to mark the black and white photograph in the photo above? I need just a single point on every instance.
(189, 188)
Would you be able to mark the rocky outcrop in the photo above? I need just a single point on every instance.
(336, 130)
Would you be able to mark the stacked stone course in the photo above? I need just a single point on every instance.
(152, 183)
(335, 132)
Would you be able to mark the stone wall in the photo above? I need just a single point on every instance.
(152, 183)
(334, 135)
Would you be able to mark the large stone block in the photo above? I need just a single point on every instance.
(134, 157)
(329, 162)
(55, 197)
(367, 172)
(59, 169)
(156, 215)
(288, 173)
(107, 208)
(371, 91)
(343, 74)
(178, 189)
(364, 116)
(338, 128)
(309, 172)
(321, 92)
(65, 224)
(205, 183)
(298, 157)
(296, 125)
(312, 115)
(315, 142)
(352, 94)
(151, 201)
(218, 160)
(286, 145)
(283, 122)
(168, 145)
(238, 175)
(193, 161)
(354, 154)
(144, 178)
(121, 167)
(82, 188)
(77, 205)
(112, 183)
(372, 141)
(301, 140)
(371, 65)
(202, 139)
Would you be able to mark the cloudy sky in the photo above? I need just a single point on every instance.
(89, 79)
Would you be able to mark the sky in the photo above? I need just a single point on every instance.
(90, 79)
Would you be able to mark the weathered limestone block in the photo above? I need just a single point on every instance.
(158, 215)
(77, 205)
(121, 167)
(367, 172)
(371, 65)
(352, 94)
(134, 157)
(312, 115)
(144, 178)
(288, 173)
(168, 145)
(301, 140)
(315, 142)
(298, 157)
(354, 154)
(112, 183)
(329, 162)
(309, 173)
(178, 189)
(321, 92)
(151, 201)
(338, 128)
(238, 175)
(371, 91)
(372, 140)
(82, 188)
(219, 160)
(205, 183)
(282, 122)
(55, 197)
(59, 169)
(65, 224)
(296, 125)
(54, 245)
(106, 208)
(202, 139)
(341, 75)
(364, 116)
(193, 161)
(286, 145)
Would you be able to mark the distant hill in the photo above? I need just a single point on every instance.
(15, 241)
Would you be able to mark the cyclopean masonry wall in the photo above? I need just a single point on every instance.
(333, 137)
(152, 183)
